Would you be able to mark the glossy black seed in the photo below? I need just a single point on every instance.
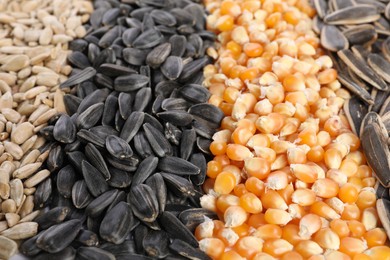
(58, 237)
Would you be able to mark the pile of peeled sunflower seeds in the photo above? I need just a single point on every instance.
(128, 158)
(357, 34)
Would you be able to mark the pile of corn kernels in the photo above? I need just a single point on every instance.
(288, 179)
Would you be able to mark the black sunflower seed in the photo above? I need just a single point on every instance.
(144, 202)
(117, 223)
(58, 237)
(93, 179)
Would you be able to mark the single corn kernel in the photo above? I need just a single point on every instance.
(277, 216)
(231, 255)
(248, 246)
(304, 197)
(228, 236)
(327, 239)
(235, 216)
(251, 203)
(322, 209)
(257, 167)
(325, 188)
(224, 183)
(238, 152)
(308, 225)
(272, 199)
(204, 230)
(277, 180)
(308, 248)
(268, 231)
(213, 247)
(348, 193)
(225, 201)
(352, 246)
(277, 247)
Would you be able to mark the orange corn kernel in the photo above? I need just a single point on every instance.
(272, 199)
(228, 236)
(231, 255)
(304, 172)
(296, 155)
(277, 216)
(241, 136)
(218, 148)
(242, 230)
(357, 228)
(257, 167)
(340, 227)
(291, 234)
(235, 216)
(270, 124)
(349, 167)
(297, 97)
(323, 138)
(269, 231)
(222, 159)
(254, 185)
(250, 5)
(322, 209)
(266, 153)
(253, 49)
(378, 252)
(327, 76)
(263, 256)
(292, 255)
(277, 180)
(350, 139)
(258, 140)
(225, 23)
(228, 123)
(230, 7)
(366, 199)
(308, 248)
(231, 94)
(348, 193)
(351, 212)
(263, 107)
(224, 183)
(375, 237)
(325, 188)
(213, 169)
(226, 64)
(316, 154)
(247, 123)
(226, 108)
(240, 190)
(333, 158)
(286, 193)
(308, 225)
(225, 201)
(249, 74)
(275, 94)
(277, 247)
(327, 239)
(251, 203)
(213, 247)
(248, 246)
(304, 197)
(364, 171)
(238, 152)
(352, 246)
(308, 136)
(256, 220)
(293, 83)
(204, 230)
